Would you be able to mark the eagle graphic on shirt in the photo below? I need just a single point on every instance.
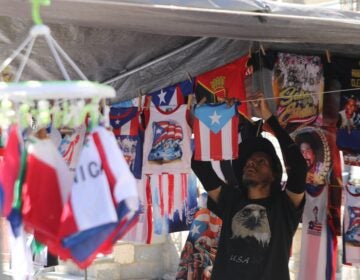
(252, 221)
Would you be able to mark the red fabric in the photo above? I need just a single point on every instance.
(9, 169)
(226, 81)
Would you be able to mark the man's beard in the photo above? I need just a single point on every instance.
(248, 183)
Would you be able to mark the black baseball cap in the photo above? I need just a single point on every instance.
(258, 144)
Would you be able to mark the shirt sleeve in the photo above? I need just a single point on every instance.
(291, 213)
(296, 168)
(227, 195)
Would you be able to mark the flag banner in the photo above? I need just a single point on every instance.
(215, 132)
(127, 128)
(169, 97)
(225, 82)
(298, 85)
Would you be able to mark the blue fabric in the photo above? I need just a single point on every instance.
(15, 220)
(215, 116)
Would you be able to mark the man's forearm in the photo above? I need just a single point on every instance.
(206, 174)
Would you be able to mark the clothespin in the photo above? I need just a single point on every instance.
(328, 56)
(202, 101)
(250, 50)
(189, 77)
(80, 104)
(262, 50)
(106, 114)
(24, 115)
(149, 102)
(7, 114)
(139, 101)
(189, 101)
(44, 113)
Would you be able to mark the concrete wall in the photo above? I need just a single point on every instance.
(128, 261)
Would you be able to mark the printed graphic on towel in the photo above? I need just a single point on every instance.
(298, 83)
(352, 234)
(129, 147)
(348, 133)
(315, 149)
(314, 225)
(167, 142)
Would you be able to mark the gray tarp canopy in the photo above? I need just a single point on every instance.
(139, 46)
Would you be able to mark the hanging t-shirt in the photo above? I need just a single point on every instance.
(295, 76)
(260, 256)
(169, 97)
(346, 72)
(318, 147)
(351, 234)
(321, 218)
(215, 132)
(313, 259)
(127, 128)
(167, 147)
(223, 82)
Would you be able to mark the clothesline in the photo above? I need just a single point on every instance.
(301, 95)
(277, 97)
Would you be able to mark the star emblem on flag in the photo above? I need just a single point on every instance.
(215, 118)
(195, 230)
(162, 97)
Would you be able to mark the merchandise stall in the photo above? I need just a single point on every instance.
(162, 58)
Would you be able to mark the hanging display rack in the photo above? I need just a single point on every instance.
(34, 90)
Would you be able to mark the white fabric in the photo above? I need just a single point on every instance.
(176, 166)
(313, 239)
(91, 198)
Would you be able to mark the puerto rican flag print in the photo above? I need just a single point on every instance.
(171, 96)
(126, 124)
(103, 204)
(215, 132)
(45, 191)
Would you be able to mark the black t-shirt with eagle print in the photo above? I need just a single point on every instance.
(256, 235)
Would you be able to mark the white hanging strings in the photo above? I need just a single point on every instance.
(60, 91)
(55, 48)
